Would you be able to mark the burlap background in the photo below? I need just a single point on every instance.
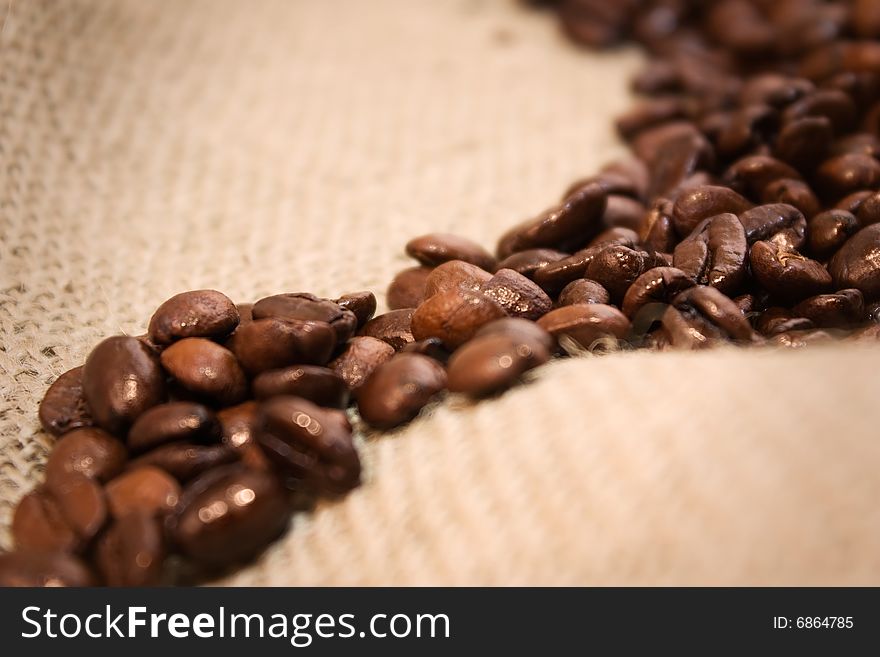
(259, 146)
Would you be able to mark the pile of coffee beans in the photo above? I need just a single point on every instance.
(749, 214)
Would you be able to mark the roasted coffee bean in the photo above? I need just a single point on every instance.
(800, 339)
(572, 222)
(131, 552)
(436, 248)
(491, 363)
(238, 423)
(842, 309)
(196, 314)
(229, 515)
(517, 295)
(623, 236)
(829, 230)
(703, 202)
(778, 222)
(872, 312)
(320, 385)
(713, 307)
(268, 344)
(362, 304)
(676, 158)
(658, 230)
(64, 407)
(785, 273)
(623, 212)
(521, 330)
(394, 327)
(774, 89)
(307, 307)
(529, 261)
(453, 275)
(407, 290)
(831, 104)
(749, 127)
(207, 370)
(853, 202)
(43, 569)
(586, 324)
(121, 379)
(777, 320)
(311, 444)
(245, 313)
(556, 275)
(173, 422)
(715, 253)
(657, 285)
(397, 390)
(792, 192)
(616, 267)
(147, 490)
(81, 502)
(804, 142)
(844, 174)
(89, 451)
(38, 525)
(857, 263)
(432, 348)
(868, 212)
(183, 461)
(583, 290)
(454, 316)
(361, 356)
(863, 143)
(650, 113)
(752, 174)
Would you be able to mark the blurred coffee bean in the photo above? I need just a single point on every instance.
(183, 461)
(868, 212)
(583, 290)
(623, 236)
(493, 362)
(320, 385)
(436, 248)
(362, 304)
(703, 202)
(804, 142)
(207, 370)
(529, 261)
(38, 525)
(146, 489)
(431, 347)
(81, 502)
(63, 407)
(394, 327)
(173, 422)
(89, 451)
(43, 569)
(195, 314)
(397, 390)
(131, 551)
(791, 192)
(624, 213)
(238, 423)
(844, 174)
(407, 289)
(776, 320)
(831, 104)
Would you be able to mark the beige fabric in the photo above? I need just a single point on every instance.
(259, 146)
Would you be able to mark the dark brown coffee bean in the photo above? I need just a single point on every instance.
(627, 176)
(38, 525)
(774, 89)
(196, 314)
(229, 515)
(800, 339)
(586, 323)
(184, 461)
(872, 312)
(853, 56)
(844, 174)
(657, 285)
(517, 295)
(436, 248)
(715, 253)
(573, 222)
(81, 502)
(173, 422)
(432, 348)
(320, 385)
(746, 303)
(147, 490)
(804, 142)
(131, 552)
(583, 290)
(777, 222)
(749, 127)
(207, 370)
(792, 192)
(706, 201)
(407, 290)
(853, 202)
(454, 316)
(658, 231)
(491, 363)
(64, 407)
(394, 327)
(307, 307)
(616, 267)
(676, 158)
(774, 321)
(521, 330)
(268, 344)
(361, 356)
(397, 390)
(842, 309)
(740, 27)
(556, 275)
(310, 443)
(89, 451)
(709, 306)
(454, 275)
(829, 230)
(529, 261)
(785, 273)
(857, 263)
(362, 304)
(623, 236)
(43, 569)
(649, 113)
(831, 104)
(862, 143)
(751, 175)
(122, 379)
(624, 213)
(865, 18)
(238, 424)
(868, 212)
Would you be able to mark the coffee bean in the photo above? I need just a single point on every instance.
(774, 89)
(320, 385)
(454, 316)
(38, 525)
(173, 422)
(121, 379)
(657, 285)
(521, 330)
(64, 407)
(147, 490)
(239, 428)
(872, 312)
(749, 127)
(436, 248)
(658, 230)
(131, 552)
(804, 142)
(863, 143)
(853, 202)
(624, 213)
(43, 569)
(310, 443)
(394, 327)
(792, 192)
(81, 502)
(708, 306)
(245, 313)
(700, 203)
(843, 174)
(650, 113)
(675, 158)
(586, 323)
(362, 304)
(491, 363)
(517, 295)
(361, 356)
(407, 290)
(196, 314)
(865, 18)
(529, 261)
(785, 273)
(778, 320)
(554, 276)
(777, 222)
(619, 235)
(268, 344)
(397, 390)
(207, 370)
(829, 230)
(842, 309)
(857, 263)
(184, 461)
(715, 253)
(583, 290)
(89, 451)
(831, 104)
(752, 174)
(800, 339)
(453, 275)
(307, 307)
(431, 347)
(616, 267)
(229, 515)
(868, 212)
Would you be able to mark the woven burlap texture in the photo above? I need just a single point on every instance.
(258, 147)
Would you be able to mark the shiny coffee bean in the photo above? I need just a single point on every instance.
(709, 306)
(774, 89)
(173, 422)
(122, 378)
(752, 174)
(586, 324)
(207, 370)
(672, 152)
(131, 551)
(195, 314)
(749, 127)
(649, 113)
(517, 295)
(658, 230)
(320, 385)
(715, 253)
(268, 344)
(583, 290)
(229, 515)
(829, 230)
(309, 443)
(407, 289)
(30, 568)
(804, 142)
(491, 363)
(397, 390)
(81, 502)
(454, 316)
(792, 192)
(361, 356)
(529, 261)
(616, 267)
(853, 202)
(147, 490)
(554, 276)
(436, 248)
(857, 263)
(362, 304)
(300, 306)
(868, 212)
(521, 330)
(453, 275)
(700, 203)
(623, 213)
(618, 235)
(778, 320)
(184, 461)
(777, 222)
(239, 428)
(38, 525)
(786, 274)
(64, 407)
(89, 451)
(657, 285)
(432, 348)
(394, 328)
(844, 174)
(842, 309)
